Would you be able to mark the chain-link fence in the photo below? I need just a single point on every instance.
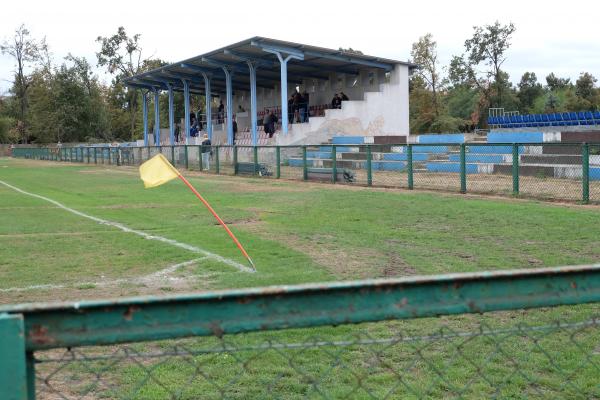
(386, 339)
(558, 360)
(548, 171)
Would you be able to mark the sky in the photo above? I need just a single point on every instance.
(551, 36)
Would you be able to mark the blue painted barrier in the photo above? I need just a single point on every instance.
(442, 138)
(404, 156)
(515, 137)
(479, 158)
(348, 140)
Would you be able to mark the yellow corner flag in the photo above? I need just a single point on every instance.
(156, 171)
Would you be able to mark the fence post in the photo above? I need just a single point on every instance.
(515, 168)
(185, 152)
(463, 168)
(255, 155)
(172, 154)
(585, 173)
(409, 160)
(235, 159)
(304, 166)
(333, 163)
(278, 161)
(217, 167)
(95, 155)
(14, 382)
(369, 166)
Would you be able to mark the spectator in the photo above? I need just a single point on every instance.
(343, 98)
(206, 152)
(290, 115)
(221, 113)
(305, 102)
(271, 121)
(297, 106)
(177, 132)
(241, 109)
(266, 121)
(235, 128)
(336, 102)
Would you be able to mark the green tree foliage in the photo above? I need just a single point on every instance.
(25, 52)
(529, 90)
(121, 55)
(555, 83)
(424, 53)
(488, 47)
(68, 105)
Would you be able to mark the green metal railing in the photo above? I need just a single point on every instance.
(549, 171)
(45, 347)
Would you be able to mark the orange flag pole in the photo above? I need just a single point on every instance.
(237, 242)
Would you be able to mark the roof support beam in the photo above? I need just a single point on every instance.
(348, 59)
(208, 104)
(145, 113)
(283, 60)
(156, 117)
(171, 115)
(186, 106)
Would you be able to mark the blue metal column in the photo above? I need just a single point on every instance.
(208, 97)
(156, 117)
(252, 67)
(229, 106)
(186, 105)
(284, 90)
(171, 116)
(145, 112)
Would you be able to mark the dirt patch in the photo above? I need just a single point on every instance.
(397, 267)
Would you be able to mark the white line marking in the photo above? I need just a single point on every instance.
(145, 235)
(162, 275)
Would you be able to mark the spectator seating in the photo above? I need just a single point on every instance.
(540, 120)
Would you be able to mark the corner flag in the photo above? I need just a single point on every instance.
(158, 170)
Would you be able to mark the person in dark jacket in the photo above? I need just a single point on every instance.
(206, 152)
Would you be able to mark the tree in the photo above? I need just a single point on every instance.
(529, 90)
(26, 52)
(488, 46)
(424, 53)
(555, 83)
(122, 57)
(584, 86)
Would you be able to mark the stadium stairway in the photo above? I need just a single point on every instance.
(441, 154)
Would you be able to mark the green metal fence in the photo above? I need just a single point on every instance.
(505, 334)
(549, 171)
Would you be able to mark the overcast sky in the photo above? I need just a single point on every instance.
(552, 35)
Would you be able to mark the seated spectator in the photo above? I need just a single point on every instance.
(336, 102)
(272, 118)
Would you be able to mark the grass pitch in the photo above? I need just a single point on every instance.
(296, 233)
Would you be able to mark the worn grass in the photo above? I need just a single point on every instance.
(297, 233)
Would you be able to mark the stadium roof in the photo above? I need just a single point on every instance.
(308, 62)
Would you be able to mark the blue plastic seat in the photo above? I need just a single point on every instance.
(513, 121)
(519, 121)
(545, 121)
(527, 121)
(573, 117)
(589, 118)
(597, 117)
(538, 120)
(581, 116)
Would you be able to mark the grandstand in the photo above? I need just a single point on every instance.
(260, 73)
(582, 120)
